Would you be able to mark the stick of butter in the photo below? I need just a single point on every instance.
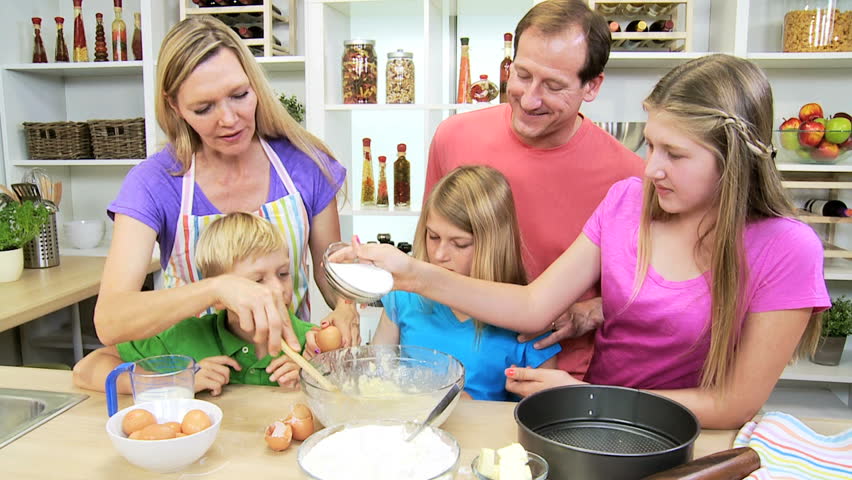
(509, 463)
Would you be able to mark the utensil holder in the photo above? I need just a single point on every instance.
(43, 250)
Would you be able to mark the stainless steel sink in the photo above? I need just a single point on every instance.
(24, 410)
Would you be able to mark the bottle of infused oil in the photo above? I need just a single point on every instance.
(382, 192)
(401, 179)
(368, 186)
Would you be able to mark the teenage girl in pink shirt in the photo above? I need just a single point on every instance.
(709, 284)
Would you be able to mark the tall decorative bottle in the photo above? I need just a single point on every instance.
(119, 34)
(39, 55)
(401, 179)
(61, 48)
(504, 66)
(81, 53)
(101, 54)
(382, 192)
(137, 36)
(463, 95)
(368, 186)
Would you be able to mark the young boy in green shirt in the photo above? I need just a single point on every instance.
(236, 244)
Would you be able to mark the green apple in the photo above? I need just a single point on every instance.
(838, 129)
(790, 139)
(820, 121)
(803, 154)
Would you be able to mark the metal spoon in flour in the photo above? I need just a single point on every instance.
(437, 411)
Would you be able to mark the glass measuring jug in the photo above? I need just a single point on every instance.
(154, 378)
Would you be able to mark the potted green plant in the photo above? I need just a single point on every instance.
(836, 325)
(19, 223)
(293, 106)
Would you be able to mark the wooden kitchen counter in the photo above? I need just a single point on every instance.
(42, 291)
(75, 445)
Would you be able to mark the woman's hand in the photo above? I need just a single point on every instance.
(581, 317)
(214, 373)
(347, 319)
(260, 309)
(284, 371)
(526, 381)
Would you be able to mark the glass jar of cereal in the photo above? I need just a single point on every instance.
(817, 26)
(359, 71)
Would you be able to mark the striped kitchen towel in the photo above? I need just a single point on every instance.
(790, 450)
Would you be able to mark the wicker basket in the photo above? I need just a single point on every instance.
(58, 140)
(118, 138)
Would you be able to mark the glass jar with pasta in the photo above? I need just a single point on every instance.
(359, 71)
(400, 77)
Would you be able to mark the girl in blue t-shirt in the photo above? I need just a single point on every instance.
(468, 226)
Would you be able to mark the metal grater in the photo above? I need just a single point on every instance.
(607, 437)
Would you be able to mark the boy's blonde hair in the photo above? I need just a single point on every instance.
(725, 104)
(234, 238)
(191, 42)
(478, 200)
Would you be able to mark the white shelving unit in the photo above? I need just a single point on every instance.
(88, 90)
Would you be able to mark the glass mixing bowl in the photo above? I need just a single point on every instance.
(382, 382)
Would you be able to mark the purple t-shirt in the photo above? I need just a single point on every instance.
(151, 194)
(661, 340)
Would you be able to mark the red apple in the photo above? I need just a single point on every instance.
(826, 151)
(811, 133)
(791, 124)
(810, 111)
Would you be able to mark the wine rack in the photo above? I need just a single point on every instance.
(626, 11)
(253, 20)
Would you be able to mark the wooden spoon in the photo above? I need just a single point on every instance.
(300, 361)
(57, 192)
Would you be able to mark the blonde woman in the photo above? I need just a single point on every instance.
(232, 148)
(708, 282)
(468, 226)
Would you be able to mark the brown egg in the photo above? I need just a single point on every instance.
(137, 435)
(156, 431)
(301, 420)
(136, 420)
(278, 435)
(194, 421)
(174, 426)
(329, 338)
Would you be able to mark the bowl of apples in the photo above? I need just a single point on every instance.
(811, 137)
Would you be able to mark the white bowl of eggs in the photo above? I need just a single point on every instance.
(167, 435)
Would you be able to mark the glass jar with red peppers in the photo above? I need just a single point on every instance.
(360, 71)
(483, 90)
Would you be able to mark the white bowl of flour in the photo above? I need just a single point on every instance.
(377, 450)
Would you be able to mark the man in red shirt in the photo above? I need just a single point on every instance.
(558, 163)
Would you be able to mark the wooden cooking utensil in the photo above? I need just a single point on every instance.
(5, 189)
(733, 464)
(57, 193)
(300, 361)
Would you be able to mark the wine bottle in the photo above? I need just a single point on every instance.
(504, 66)
(614, 27)
(463, 95)
(636, 26)
(827, 208)
(661, 26)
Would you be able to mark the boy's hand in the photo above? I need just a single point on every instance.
(214, 373)
(284, 371)
(311, 347)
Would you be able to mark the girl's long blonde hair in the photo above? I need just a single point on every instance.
(188, 44)
(725, 103)
(478, 200)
